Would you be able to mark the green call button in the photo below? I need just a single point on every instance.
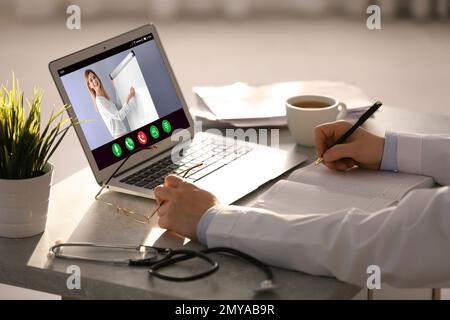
(166, 126)
(117, 150)
(154, 132)
(129, 143)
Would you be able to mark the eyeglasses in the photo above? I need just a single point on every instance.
(136, 216)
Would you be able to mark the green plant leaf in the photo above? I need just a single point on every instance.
(25, 149)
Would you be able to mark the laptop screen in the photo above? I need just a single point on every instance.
(124, 98)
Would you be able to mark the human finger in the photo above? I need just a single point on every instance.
(330, 165)
(349, 163)
(340, 151)
(321, 135)
(163, 193)
(173, 181)
(326, 134)
(163, 222)
(341, 165)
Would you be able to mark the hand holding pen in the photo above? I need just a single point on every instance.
(341, 146)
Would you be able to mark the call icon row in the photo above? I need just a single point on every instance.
(141, 137)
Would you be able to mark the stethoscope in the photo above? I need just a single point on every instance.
(148, 257)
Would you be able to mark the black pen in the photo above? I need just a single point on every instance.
(358, 123)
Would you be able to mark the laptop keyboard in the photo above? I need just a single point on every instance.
(213, 154)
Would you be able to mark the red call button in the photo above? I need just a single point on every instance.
(142, 138)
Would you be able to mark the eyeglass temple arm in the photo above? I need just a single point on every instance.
(185, 172)
(153, 147)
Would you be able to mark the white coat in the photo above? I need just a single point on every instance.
(409, 242)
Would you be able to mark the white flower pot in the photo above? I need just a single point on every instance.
(24, 205)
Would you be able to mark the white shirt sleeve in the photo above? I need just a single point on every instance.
(410, 242)
(427, 155)
(109, 109)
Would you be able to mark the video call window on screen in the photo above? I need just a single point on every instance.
(123, 97)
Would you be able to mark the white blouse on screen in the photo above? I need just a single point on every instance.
(114, 118)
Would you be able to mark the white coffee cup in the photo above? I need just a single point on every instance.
(306, 112)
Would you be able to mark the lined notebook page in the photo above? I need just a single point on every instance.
(366, 183)
(320, 190)
(288, 197)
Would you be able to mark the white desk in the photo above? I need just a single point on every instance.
(74, 215)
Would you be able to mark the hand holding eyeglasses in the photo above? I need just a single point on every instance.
(183, 174)
(136, 216)
(182, 205)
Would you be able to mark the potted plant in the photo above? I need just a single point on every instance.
(25, 171)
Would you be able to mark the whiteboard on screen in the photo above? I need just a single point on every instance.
(128, 74)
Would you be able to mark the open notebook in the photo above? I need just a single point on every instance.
(320, 190)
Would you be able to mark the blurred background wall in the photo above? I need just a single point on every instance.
(171, 9)
(215, 42)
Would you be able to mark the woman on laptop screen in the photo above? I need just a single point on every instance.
(113, 116)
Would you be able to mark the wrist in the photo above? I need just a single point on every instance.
(389, 157)
(205, 221)
(381, 143)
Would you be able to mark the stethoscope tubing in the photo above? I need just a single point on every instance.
(182, 256)
(248, 258)
(171, 257)
(202, 254)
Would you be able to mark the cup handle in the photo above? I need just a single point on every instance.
(342, 112)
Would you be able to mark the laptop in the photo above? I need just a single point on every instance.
(124, 95)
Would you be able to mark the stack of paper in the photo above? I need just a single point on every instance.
(243, 105)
